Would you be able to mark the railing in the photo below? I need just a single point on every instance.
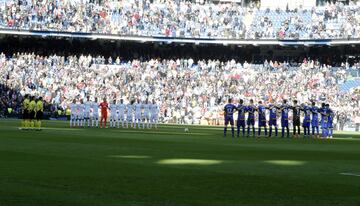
(169, 40)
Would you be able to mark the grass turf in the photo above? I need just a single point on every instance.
(63, 166)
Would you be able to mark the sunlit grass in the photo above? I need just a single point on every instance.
(189, 162)
(286, 162)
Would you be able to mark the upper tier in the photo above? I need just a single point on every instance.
(183, 20)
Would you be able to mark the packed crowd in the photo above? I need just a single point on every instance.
(186, 91)
(181, 19)
(9, 98)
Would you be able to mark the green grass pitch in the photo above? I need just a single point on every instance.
(63, 166)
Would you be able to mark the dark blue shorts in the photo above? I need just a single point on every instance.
(250, 122)
(284, 122)
(272, 122)
(330, 124)
(229, 120)
(241, 123)
(262, 123)
(315, 123)
(306, 123)
(324, 124)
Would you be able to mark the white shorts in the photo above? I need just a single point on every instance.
(95, 115)
(146, 116)
(86, 115)
(129, 118)
(121, 116)
(113, 116)
(154, 117)
(138, 116)
(72, 116)
(80, 116)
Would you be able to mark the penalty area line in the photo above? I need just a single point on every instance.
(350, 174)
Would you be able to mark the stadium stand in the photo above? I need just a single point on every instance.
(191, 81)
(348, 85)
(182, 19)
(188, 90)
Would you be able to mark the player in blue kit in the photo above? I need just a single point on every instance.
(330, 126)
(262, 118)
(315, 119)
(251, 117)
(228, 116)
(306, 120)
(273, 119)
(324, 120)
(285, 119)
(241, 108)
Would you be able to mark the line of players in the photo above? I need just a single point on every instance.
(32, 112)
(133, 113)
(311, 115)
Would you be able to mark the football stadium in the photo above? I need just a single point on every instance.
(180, 102)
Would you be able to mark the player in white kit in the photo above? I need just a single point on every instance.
(121, 113)
(73, 111)
(138, 107)
(129, 114)
(146, 114)
(80, 113)
(113, 114)
(87, 111)
(154, 110)
(95, 113)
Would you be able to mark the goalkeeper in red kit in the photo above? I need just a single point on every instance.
(104, 112)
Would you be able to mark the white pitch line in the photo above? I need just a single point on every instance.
(350, 174)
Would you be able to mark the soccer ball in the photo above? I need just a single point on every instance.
(186, 130)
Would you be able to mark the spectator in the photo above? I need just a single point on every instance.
(181, 19)
(184, 87)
